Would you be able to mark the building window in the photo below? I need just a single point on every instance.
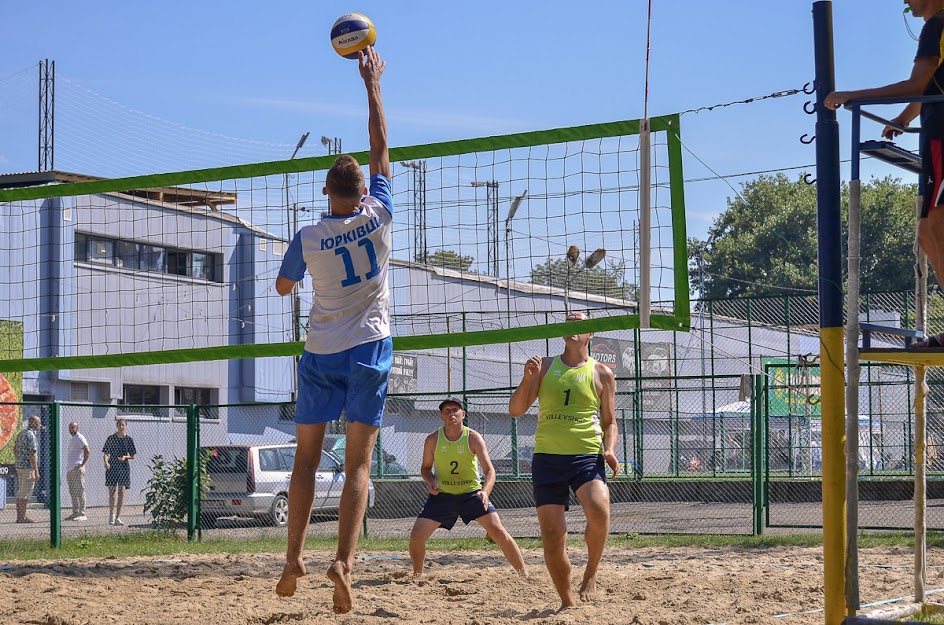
(101, 251)
(203, 267)
(141, 395)
(153, 258)
(126, 255)
(81, 248)
(142, 257)
(184, 396)
(79, 391)
(178, 263)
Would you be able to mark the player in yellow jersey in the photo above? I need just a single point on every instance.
(455, 490)
(576, 435)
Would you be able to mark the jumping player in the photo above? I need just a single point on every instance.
(348, 351)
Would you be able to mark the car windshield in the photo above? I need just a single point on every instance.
(227, 459)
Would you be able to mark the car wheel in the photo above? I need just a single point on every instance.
(279, 513)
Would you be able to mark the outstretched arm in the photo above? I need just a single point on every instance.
(371, 68)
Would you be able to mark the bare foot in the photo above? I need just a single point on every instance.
(340, 576)
(567, 605)
(523, 573)
(588, 588)
(290, 574)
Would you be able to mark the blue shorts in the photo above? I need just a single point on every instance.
(354, 380)
(553, 474)
(446, 508)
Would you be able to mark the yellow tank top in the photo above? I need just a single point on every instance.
(457, 468)
(569, 418)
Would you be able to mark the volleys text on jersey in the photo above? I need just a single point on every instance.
(351, 235)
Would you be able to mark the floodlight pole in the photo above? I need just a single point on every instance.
(514, 422)
(420, 251)
(491, 199)
(291, 216)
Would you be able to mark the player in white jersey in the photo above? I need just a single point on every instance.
(349, 351)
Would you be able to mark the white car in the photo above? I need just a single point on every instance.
(253, 481)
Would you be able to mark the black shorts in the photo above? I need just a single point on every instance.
(445, 508)
(118, 475)
(553, 474)
(932, 168)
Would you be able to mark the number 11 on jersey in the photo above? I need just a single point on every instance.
(345, 254)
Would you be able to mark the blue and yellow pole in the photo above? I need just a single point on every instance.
(830, 320)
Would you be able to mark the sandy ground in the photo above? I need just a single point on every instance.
(648, 586)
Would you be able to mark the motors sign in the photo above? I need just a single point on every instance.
(605, 353)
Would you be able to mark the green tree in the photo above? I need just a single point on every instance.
(448, 259)
(765, 243)
(609, 280)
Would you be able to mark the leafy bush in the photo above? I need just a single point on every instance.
(165, 497)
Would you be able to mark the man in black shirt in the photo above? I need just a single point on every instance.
(927, 78)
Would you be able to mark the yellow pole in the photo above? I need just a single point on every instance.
(834, 473)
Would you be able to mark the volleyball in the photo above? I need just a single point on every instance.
(352, 33)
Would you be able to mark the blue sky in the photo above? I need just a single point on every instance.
(266, 73)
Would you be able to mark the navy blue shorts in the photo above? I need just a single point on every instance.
(445, 508)
(354, 380)
(553, 474)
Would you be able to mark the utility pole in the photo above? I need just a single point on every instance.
(420, 252)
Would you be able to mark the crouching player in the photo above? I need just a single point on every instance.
(455, 489)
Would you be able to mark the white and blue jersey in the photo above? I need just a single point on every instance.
(347, 258)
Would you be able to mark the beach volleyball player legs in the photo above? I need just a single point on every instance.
(348, 351)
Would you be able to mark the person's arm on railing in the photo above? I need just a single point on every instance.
(921, 74)
(904, 119)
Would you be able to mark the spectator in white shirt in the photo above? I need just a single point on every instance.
(76, 457)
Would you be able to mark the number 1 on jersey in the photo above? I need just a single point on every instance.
(567, 397)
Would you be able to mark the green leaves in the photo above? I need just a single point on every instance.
(764, 243)
(165, 497)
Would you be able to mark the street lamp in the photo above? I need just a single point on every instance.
(511, 214)
(491, 198)
(419, 208)
(333, 144)
(291, 218)
(573, 254)
(514, 422)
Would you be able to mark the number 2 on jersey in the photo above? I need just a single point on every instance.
(345, 254)
(455, 467)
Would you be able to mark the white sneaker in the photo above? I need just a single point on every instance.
(118, 521)
(111, 520)
(81, 517)
(71, 517)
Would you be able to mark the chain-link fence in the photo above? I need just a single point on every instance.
(720, 432)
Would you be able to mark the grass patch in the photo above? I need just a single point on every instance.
(162, 544)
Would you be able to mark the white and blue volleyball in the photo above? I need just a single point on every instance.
(352, 33)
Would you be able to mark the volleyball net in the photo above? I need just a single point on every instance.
(510, 231)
